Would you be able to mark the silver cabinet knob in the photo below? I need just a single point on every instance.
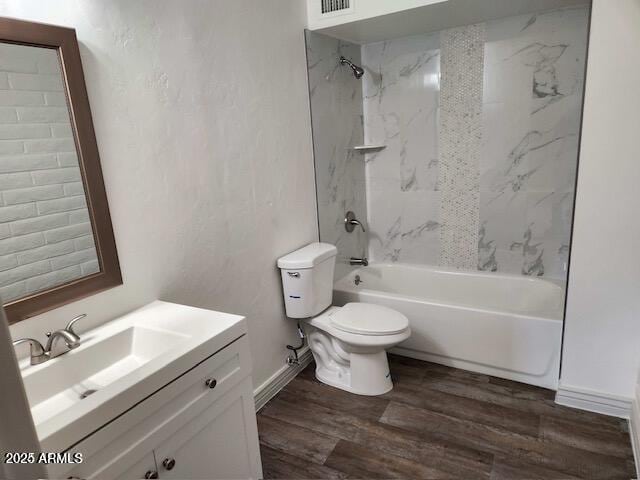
(169, 463)
(151, 474)
(211, 383)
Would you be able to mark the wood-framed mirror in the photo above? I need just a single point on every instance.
(56, 238)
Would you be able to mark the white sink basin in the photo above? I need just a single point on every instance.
(60, 386)
(119, 364)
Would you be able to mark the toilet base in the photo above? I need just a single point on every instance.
(360, 373)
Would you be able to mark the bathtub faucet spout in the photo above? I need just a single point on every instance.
(362, 262)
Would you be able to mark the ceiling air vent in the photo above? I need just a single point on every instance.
(329, 6)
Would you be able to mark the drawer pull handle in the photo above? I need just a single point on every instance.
(169, 463)
(211, 383)
(151, 474)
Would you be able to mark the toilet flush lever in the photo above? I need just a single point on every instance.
(294, 274)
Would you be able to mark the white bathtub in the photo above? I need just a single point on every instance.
(507, 326)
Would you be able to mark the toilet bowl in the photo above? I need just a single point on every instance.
(349, 346)
(348, 343)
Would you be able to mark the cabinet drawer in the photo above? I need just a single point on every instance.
(140, 469)
(114, 448)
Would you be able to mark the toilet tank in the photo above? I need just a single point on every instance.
(307, 279)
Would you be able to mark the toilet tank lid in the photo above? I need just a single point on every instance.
(308, 257)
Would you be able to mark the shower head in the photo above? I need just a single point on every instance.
(358, 72)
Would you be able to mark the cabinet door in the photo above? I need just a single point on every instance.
(127, 469)
(221, 443)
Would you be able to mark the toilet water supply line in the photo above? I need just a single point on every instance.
(293, 359)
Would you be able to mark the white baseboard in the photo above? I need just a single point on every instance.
(279, 380)
(593, 401)
(634, 430)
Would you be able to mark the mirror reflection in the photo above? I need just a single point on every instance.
(46, 238)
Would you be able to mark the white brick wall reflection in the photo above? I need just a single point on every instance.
(45, 234)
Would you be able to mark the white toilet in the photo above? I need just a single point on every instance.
(348, 343)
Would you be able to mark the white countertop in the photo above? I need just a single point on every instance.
(177, 338)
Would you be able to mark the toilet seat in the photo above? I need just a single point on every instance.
(369, 319)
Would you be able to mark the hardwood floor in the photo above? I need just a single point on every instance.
(437, 423)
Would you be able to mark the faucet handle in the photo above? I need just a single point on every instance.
(36, 350)
(69, 327)
(350, 222)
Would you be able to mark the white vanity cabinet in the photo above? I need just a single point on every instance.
(147, 465)
(200, 425)
(215, 443)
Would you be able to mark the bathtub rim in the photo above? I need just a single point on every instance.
(343, 285)
(558, 282)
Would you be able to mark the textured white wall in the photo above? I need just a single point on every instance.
(202, 121)
(602, 332)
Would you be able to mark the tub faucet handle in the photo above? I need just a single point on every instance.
(350, 222)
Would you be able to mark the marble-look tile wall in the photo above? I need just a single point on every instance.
(336, 114)
(401, 99)
(533, 85)
(533, 73)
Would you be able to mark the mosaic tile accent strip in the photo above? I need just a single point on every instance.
(460, 140)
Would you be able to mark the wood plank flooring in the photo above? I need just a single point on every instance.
(437, 423)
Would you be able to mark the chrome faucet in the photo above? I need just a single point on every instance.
(40, 354)
(71, 341)
(67, 335)
(362, 262)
